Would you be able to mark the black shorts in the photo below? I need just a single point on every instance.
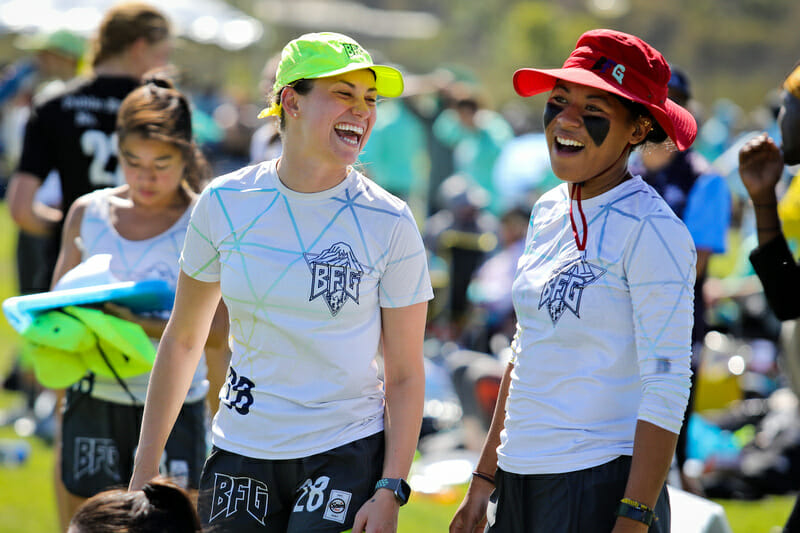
(99, 438)
(585, 501)
(320, 493)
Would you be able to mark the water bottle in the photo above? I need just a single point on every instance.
(14, 452)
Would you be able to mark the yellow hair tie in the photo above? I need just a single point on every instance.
(272, 111)
(792, 83)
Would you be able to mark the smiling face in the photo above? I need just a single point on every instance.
(588, 131)
(332, 122)
(153, 170)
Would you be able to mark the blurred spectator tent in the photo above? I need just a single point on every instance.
(202, 21)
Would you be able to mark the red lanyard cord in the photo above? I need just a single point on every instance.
(581, 243)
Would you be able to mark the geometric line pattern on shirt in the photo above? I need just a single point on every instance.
(681, 280)
(680, 283)
(239, 244)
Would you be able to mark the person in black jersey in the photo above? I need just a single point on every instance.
(72, 132)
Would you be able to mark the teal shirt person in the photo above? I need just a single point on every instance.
(476, 146)
(396, 155)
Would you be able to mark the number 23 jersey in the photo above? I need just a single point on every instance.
(73, 132)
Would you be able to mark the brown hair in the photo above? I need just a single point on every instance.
(123, 25)
(158, 111)
(160, 506)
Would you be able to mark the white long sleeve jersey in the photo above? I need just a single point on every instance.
(604, 336)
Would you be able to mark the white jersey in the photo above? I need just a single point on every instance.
(304, 277)
(153, 258)
(603, 339)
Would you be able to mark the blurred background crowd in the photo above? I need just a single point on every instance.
(471, 160)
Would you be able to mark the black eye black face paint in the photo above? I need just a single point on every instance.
(598, 128)
(550, 112)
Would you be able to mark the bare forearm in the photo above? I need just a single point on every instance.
(169, 382)
(653, 449)
(403, 419)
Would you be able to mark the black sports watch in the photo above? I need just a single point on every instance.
(398, 486)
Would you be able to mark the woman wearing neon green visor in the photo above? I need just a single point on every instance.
(321, 271)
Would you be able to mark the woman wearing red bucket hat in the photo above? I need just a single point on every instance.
(593, 398)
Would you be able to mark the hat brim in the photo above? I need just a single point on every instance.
(388, 80)
(388, 83)
(676, 121)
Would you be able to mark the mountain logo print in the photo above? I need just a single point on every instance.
(565, 287)
(335, 276)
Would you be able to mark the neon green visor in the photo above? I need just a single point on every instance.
(319, 55)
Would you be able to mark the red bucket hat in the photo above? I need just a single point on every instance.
(621, 64)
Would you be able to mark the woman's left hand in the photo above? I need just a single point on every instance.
(378, 514)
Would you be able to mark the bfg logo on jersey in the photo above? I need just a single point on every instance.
(335, 275)
(565, 287)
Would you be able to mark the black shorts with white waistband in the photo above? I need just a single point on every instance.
(317, 494)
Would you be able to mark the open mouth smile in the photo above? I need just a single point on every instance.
(349, 133)
(564, 144)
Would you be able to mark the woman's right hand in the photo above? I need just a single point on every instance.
(760, 168)
(471, 514)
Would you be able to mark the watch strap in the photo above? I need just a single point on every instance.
(398, 486)
(635, 511)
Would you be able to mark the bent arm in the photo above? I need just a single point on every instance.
(662, 302)
(31, 216)
(760, 169)
(176, 360)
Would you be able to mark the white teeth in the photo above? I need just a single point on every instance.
(350, 127)
(569, 142)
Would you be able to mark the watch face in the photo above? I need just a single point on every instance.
(403, 491)
(399, 487)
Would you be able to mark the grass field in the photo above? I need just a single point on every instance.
(26, 494)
